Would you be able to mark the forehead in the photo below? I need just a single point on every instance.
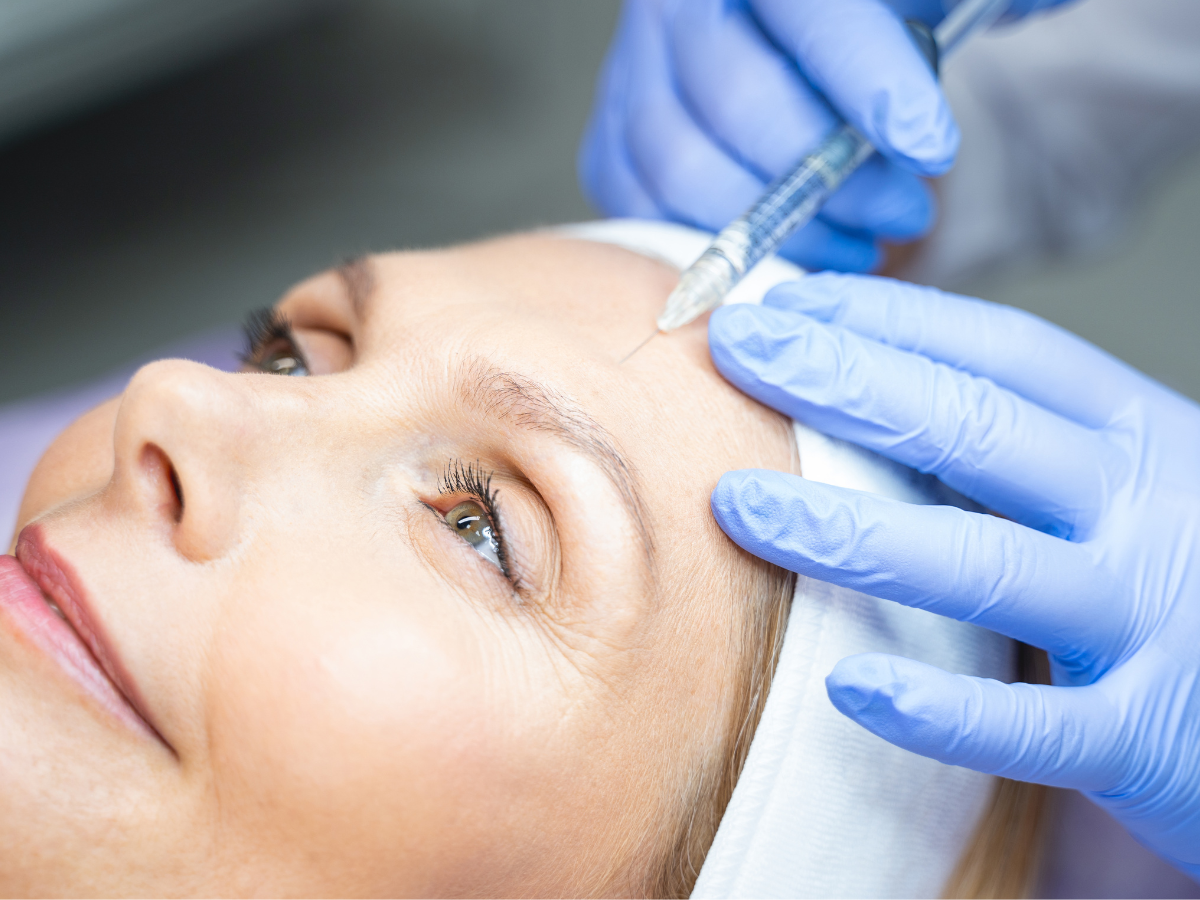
(559, 314)
(560, 310)
(585, 292)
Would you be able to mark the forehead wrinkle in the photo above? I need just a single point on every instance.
(357, 274)
(530, 405)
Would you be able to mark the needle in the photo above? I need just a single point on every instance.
(638, 347)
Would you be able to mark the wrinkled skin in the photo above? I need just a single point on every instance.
(344, 696)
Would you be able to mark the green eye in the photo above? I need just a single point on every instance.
(471, 522)
(283, 362)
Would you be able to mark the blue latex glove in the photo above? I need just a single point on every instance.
(701, 103)
(933, 11)
(1096, 465)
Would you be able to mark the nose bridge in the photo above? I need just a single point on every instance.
(186, 442)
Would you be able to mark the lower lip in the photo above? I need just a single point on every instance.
(25, 608)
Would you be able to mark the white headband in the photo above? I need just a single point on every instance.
(824, 808)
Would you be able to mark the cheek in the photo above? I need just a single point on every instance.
(78, 463)
(356, 722)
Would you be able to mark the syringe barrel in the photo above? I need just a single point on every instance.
(797, 196)
(792, 200)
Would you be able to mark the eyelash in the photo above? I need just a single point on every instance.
(261, 328)
(472, 480)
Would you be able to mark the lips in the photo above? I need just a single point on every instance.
(43, 601)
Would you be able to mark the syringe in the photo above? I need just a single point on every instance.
(795, 198)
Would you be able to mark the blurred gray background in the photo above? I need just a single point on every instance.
(367, 125)
(153, 208)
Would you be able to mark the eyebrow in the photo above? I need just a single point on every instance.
(535, 407)
(528, 404)
(357, 274)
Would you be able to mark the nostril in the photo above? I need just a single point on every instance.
(163, 487)
(177, 490)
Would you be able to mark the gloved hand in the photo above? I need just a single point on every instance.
(701, 103)
(1096, 466)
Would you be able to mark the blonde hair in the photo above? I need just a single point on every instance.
(1002, 857)
(765, 592)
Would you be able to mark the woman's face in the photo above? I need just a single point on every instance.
(448, 614)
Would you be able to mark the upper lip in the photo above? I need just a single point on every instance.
(61, 587)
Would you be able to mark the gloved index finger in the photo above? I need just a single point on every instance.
(750, 97)
(981, 439)
(1027, 355)
(859, 55)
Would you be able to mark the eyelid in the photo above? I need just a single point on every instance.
(470, 480)
(327, 352)
(321, 304)
(523, 521)
(322, 348)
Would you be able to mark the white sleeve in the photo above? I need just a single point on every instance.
(1064, 119)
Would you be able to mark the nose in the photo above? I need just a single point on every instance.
(184, 452)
